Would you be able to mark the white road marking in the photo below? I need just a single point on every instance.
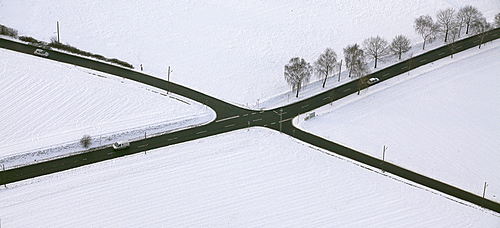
(304, 106)
(84, 159)
(347, 90)
(110, 153)
(230, 125)
(404, 67)
(423, 60)
(442, 53)
(200, 132)
(273, 123)
(286, 120)
(326, 98)
(232, 117)
(385, 74)
(172, 139)
(142, 145)
(256, 120)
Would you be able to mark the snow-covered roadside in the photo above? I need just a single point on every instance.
(234, 51)
(316, 85)
(252, 178)
(48, 106)
(440, 120)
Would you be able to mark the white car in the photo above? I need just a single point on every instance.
(120, 145)
(41, 52)
(372, 81)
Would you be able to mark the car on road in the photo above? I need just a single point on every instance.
(121, 145)
(41, 52)
(372, 81)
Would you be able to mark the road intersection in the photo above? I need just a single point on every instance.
(230, 118)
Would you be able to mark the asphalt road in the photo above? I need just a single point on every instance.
(230, 117)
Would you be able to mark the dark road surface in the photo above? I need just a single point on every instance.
(230, 117)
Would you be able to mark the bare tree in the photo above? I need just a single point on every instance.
(297, 73)
(325, 64)
(400, 44)
(376, 47)
(360, 71)
(454, 34)
(446, 21)
(424, 25)
(481, 27)
(467, 15)
(459, 23)
(353, 55)
(85, 140)
(355, 62)
(497, 20)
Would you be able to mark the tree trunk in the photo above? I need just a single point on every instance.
(326, 76)
(340, 68)
(423, 46)
(376, 58)
(400, 54)
(350, 69)
(467, 29)
(446, 36)
(298, 88)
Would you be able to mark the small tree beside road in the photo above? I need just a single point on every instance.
(376, 47)
(353, 56)
(400, 44)
(325, 64)
(360, 71)
(497, 20)
(481, 27)
(453, 35)
(467, 15)
(424, 25)
(446, 21)
(297, 73)
(85, 140)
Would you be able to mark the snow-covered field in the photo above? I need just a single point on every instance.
(255, 178)
(48, 106)
(441, 120)
(233, 50)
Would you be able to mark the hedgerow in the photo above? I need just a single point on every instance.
(57, 45)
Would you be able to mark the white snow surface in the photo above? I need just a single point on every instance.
(246, 178)
(46, 107)
(233, 50)
(440, 120)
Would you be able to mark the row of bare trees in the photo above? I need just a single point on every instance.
(449, 23)
(298, 71)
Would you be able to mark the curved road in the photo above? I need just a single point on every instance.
(230, 117)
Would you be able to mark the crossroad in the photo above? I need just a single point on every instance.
(230, 118)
